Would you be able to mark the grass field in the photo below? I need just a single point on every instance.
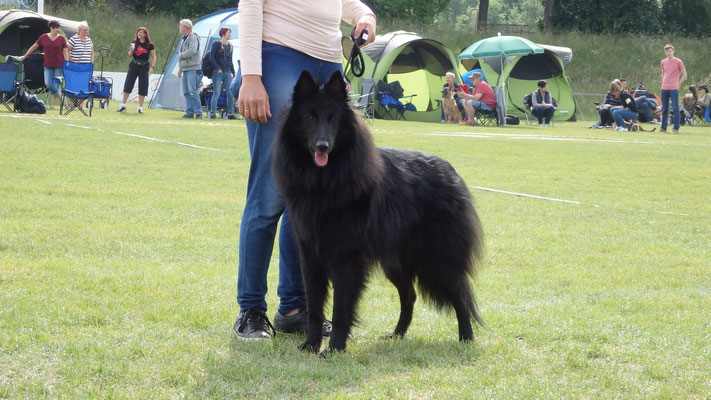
(118, 268)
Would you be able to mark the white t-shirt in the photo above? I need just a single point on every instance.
(309, 26)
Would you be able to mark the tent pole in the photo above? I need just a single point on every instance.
(577, 107)
(160, 78)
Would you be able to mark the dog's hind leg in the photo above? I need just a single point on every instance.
(465, 309)
(408, 296)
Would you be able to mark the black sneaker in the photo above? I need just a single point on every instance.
(231, 116)
(253, 324)
(213, 116)
(297, 323)
(187, 116)
(121, 109)
(198, 116)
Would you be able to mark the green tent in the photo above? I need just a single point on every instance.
(521, 74)
(419, 64)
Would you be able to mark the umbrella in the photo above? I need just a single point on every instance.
(501, 46)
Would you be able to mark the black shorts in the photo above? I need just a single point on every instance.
(140, 72)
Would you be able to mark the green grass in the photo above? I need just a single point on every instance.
(118, 260)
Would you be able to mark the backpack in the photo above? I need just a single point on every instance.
(206, 65)
(528, 101)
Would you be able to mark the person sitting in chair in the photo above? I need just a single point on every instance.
(626, 110)
(482, 98)
(453, 87)
(703, 101)
(543, 105)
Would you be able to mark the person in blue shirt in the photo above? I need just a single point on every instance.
(221, 60)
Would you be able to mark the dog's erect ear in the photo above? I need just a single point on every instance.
(305, 87)
(336, 86)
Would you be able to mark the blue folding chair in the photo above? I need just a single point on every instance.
(76, 87)
(8, 85)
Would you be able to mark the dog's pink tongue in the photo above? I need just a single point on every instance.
(321, 159)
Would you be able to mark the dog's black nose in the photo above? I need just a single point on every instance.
(322, 146)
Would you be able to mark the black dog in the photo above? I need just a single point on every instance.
(352, 204)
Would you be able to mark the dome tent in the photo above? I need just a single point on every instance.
(419, 64)
(170, 89)
(19, 29)
(521, 74)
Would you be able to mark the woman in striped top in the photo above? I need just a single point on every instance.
(81, 48)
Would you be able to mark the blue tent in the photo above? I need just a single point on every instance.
(170, 89)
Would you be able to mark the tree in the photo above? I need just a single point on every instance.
(597, 16)
(422, 11)
(547, 12)
(688, 17)
(483, 15)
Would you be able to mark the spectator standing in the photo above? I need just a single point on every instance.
(189, 69)
(278, 40)
(673, 75)
(143, 60)
(81, 48)
(55, 53)
(221, 60)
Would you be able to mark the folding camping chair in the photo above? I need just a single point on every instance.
(76, 87)
(8, 85)
(703, 119)
(389, 95)
(495, 117)
(363, 102)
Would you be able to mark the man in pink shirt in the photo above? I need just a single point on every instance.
(482, 98)
(673, 75)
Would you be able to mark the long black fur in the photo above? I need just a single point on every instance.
(406, 209)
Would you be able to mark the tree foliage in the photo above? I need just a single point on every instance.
(179, 8)
(422, 11)
(688, 17)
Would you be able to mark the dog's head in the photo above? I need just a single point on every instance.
(318, 116)
(446, 93)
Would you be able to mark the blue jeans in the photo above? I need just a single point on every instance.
(191, 80)
(218, 80)
(672, 95)
(49, 75)
(644, 105)
(620, 115)
(281, 67)
(541, 111)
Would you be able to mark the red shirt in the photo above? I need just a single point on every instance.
(671, 70)
(53, 50)
(487, 94)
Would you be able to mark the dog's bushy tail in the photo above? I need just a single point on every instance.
(446, 281)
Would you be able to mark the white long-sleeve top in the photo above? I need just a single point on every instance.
(309, 26)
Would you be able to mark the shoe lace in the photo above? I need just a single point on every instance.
(257, 319)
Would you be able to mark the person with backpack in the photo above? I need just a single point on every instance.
(189, 69)
(223, 73)
(143, 59)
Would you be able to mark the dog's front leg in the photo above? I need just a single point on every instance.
(316, 284)
(348, 284)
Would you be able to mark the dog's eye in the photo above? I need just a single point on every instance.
(332, 118)
(309, 118)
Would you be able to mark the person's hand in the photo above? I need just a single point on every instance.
(150, 70)
(366, 22)
(219, 71)
(180, 74)
(253, 99)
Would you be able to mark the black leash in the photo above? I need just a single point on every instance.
(355, 60)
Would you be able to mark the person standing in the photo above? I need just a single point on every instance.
(673, 75)
(81, 48)
(141, 67)
(221, 60)
(189, 69)
(55, 53)
(278, 40)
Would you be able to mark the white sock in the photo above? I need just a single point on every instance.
(140, 108)
(122, 105)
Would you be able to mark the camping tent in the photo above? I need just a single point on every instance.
(521, 73)
(19, 29)
(170, 89)
(419, 64)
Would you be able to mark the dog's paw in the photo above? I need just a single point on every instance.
(328, 352)
(311, 347)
